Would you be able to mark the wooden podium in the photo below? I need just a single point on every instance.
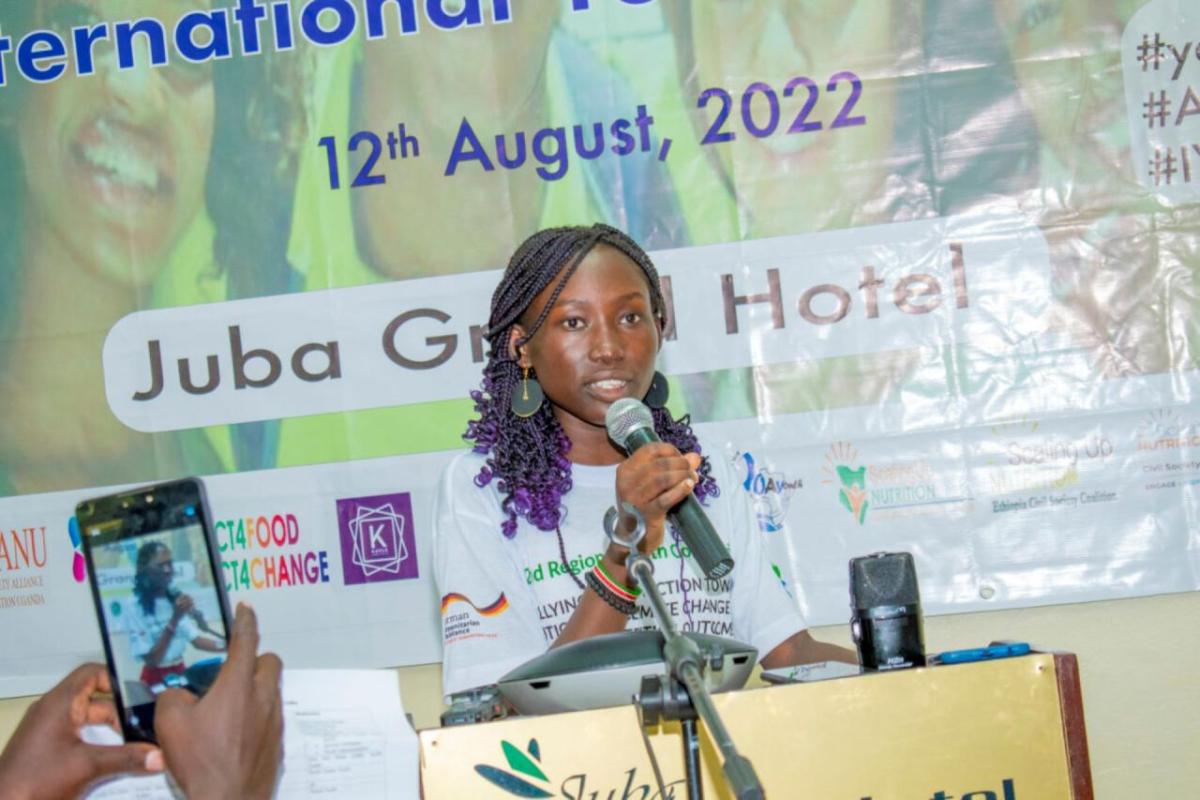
(1010, 729)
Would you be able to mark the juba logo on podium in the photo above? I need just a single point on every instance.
(528, 779)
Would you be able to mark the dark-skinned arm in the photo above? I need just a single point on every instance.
(183, 604)
(46, 758)
(208, 644)
(229, 743)
(801, 648)
(654, 479)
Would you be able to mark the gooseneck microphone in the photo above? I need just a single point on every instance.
(630, 425)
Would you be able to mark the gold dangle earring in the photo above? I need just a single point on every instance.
(528, 400)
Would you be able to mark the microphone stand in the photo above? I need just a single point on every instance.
(686, 696)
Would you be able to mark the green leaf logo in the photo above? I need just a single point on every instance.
(521, 762)
(525, 763)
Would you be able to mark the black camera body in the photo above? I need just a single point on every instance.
(885, 619)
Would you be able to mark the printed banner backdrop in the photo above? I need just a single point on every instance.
(932, 269)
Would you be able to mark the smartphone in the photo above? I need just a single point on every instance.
(159, 596)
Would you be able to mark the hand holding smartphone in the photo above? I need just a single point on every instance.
(159, 595)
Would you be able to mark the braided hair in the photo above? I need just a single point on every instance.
(528, 456)
(142, 587)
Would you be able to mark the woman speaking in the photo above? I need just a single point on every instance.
(522, 562)
(162, 621)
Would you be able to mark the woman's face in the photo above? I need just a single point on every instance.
(115, 161)
(817, 179)
(161, 569)
(599, 341)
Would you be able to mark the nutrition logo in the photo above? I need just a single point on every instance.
(842, 470)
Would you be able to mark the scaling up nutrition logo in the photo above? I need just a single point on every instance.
(1166, 429)
(528, 779)
(1023, 456)
(1009, 472)
(377, 538)
(842, 470)
(994, 454)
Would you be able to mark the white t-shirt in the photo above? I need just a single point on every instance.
(144, 630)
(505, 601)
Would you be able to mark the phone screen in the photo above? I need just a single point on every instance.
(157, 592)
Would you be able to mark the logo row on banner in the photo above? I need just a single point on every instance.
(1057, 510)
(337, 558)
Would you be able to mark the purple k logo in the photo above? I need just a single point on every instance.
(377, 538)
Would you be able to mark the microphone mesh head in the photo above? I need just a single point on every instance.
(884, 579)
(624, 417)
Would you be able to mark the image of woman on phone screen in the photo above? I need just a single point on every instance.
(162, 621)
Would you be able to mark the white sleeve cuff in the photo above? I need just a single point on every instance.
(484, 674)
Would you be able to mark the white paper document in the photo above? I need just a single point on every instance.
(345, 735)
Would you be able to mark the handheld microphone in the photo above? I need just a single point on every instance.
(173, 595)
(630, 425)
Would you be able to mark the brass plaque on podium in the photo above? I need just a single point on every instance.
(1001, 730)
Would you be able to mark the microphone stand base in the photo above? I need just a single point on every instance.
(670, 702)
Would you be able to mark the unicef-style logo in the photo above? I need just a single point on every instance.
(78, 567)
